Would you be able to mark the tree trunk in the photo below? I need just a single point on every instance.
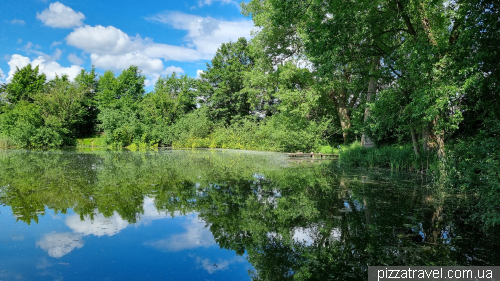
(415, 142)
(439, 140)
(345, 119)
(372, 89)
(425, 138)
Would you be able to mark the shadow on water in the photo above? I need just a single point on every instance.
(293, 220)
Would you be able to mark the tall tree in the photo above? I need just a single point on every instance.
(222, 82)
(25, 84)
(88, 81)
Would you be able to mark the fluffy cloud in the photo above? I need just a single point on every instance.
(74, 59)
(147, 64)
(205, 34)
(111, 48)
(199, 72)
(1, 74)
(196, 235)
(60, 244)
(46, 65)
(60, 16)
(103, 40)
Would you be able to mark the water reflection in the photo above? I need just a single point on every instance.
(195, 235)
(200, 214)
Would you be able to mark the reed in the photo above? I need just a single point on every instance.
(393, 157)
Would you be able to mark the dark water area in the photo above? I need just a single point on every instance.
(222, 215)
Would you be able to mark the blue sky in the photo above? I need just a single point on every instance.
(158, 36)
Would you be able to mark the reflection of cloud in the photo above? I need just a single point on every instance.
(110, 226)
(303, 235)
(43, 263)
(99, 226)
(151, 213)
(196, 235)
(10, 275)
(212, 267)
(19, 237)
(308, 235)
(60, 244)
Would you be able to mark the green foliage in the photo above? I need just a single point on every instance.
(280, 132)
(106, 90)
(23, 125)
(474, 170)
(222, 82)
(92, 141)
(393, 157)
(172, 98)
(89, 82)
(25, 84)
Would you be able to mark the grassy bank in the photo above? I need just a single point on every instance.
(393, 157)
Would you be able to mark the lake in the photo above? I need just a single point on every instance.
(222, 215)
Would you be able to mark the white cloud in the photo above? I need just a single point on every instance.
(16, 21)
(1, 74)
(74, 59)
(111, 48)
(60, 16)
(199, 72)
(171, 69)
(147, 64)
(196, 235)
(19, 40)
(206, 34)
(103, 40)
(49, 67)
(55, 43)
(202, 3)
(30, 48)
(60, 244)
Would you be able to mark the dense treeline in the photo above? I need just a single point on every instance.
(419, 76)
(237, 103)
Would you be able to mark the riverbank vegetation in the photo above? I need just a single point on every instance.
(417, 79)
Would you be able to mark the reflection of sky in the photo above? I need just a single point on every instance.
(157, 247)
(195, 235)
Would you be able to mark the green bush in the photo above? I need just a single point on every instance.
(24, 126)
(473, 169)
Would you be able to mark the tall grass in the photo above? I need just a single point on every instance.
(5, 142)
(393, 157)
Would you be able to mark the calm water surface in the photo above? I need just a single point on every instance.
(222, 215)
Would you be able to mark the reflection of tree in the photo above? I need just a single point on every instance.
(349, 223)
(302, 223)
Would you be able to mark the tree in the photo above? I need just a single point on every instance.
(26, 83)
(222, 82)
(130, 86)
(172, 97)
(89, 82)
(106, 95)
(63, 107)
(126, 90)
